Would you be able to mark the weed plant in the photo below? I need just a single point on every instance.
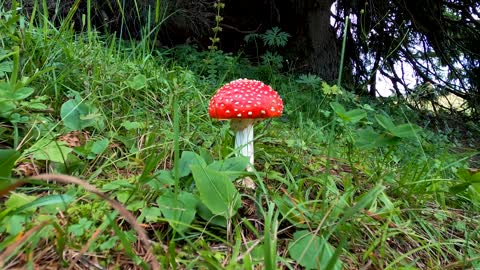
(342, 183)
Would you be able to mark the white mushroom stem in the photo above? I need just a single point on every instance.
(244, 139)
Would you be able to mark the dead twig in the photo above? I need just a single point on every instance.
(66, 179)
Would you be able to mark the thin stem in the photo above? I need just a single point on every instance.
(342, 56)
(244, 143)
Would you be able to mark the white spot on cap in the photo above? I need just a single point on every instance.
(250, 113)
(239, 115)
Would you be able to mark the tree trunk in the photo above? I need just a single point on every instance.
(324, 58)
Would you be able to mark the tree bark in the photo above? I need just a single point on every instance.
(324, 58)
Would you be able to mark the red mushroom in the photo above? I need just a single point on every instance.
(245, 102)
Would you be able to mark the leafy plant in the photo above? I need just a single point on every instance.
(311, 80)
(8, 157)
(312, 251)
(213, 182)
(14, 94)
(216, 191)
(50, 150)
(332, 90)
(392, 134)
(352, 116)
(77, 115)
(273, 39)
(219, 6)
(469, 183)
(178, 209)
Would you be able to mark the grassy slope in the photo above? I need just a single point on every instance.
(381, 206)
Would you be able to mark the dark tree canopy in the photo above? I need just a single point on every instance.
(437, 39)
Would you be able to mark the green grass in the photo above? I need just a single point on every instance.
(345, 184)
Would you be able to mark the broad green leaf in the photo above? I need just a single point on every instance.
(14, 224)
(209, 217)
(138, 82)
(216, 191)
(134, 205)
(311, 251)
(352, 116)
(7, 106)
(459, 187)
(34, 106)
(8, 157)
(150, 214)
(5, 90)
(355, 115)
(464, 174)
(189, 158)
(110, 243)
(17, 200)
(6, 66)
(178, 210)
(22, 93)
(124, 196)
(475, 178)
(206, 155)
(405, 130)
(81, 227)
(231, 164)
(46, 149)
(338, 108)
(98, 147)
(468, 179)
(75, 113)
(161, 179)
(385, 121)
(369, 139)
(232, 167)
(476, 188)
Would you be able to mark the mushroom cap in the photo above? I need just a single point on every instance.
(245, 99)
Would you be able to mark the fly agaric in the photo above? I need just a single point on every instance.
(245, 102)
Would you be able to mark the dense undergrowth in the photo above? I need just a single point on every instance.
(342, 182)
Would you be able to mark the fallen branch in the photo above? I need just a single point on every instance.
(142, 235)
